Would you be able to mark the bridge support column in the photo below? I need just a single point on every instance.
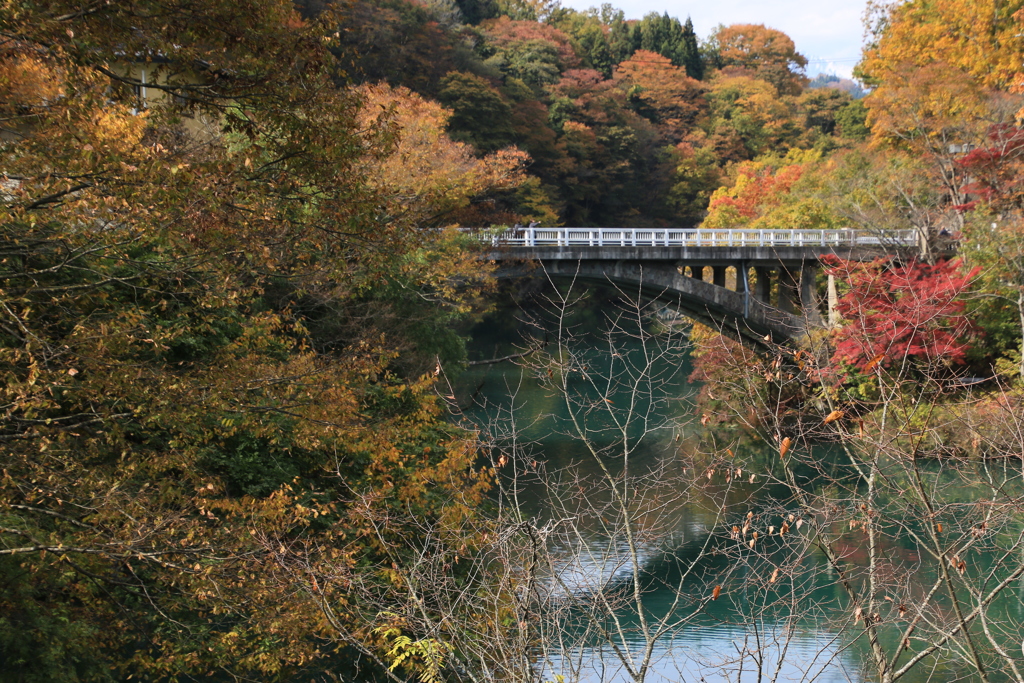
(718, 275)
(787, 290)
(763, 284)
(833, 300)
(808, 293)
(697, 272)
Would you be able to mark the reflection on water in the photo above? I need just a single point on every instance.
(713, 654)
(718, 641)
(598, 563)
(588, 579)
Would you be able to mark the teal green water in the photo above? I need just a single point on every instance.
(635, 431)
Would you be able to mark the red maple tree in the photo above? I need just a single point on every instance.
(996, 170)
(900, 312)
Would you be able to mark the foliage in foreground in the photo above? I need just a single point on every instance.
(203, 298)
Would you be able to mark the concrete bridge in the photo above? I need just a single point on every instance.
(705, 274)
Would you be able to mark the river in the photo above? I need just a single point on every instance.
(600, 451)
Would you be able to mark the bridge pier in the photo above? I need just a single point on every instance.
(763, 284)
(787, 290)
(833, 301)
(697, 272)
(718, 275)
(808, 293)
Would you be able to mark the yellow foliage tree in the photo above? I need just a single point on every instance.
(426, 175)
(936, 67)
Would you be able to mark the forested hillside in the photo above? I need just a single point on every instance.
(629, 123)
(231, 284)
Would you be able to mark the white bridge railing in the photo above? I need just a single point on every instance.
(629, 237)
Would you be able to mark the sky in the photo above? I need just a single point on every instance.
(828, 32)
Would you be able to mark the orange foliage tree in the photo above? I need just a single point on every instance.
(766, 53)
(661, 92)
(758, 187)
(425, 175)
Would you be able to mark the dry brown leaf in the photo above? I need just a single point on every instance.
(833, 416)
(874, 361)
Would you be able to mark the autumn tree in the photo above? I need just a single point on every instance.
(766, 53)
(747, 118)
(941, 73)
(900, 314)
(661, 92)
(198, 396)
(532, 52)
(773, 193)
(607, 145)
(425, 181)
(970, 37)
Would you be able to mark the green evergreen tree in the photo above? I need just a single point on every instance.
(666, 35)
(691, 52)
(619, 39)
(475, 11)
(602, 39)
